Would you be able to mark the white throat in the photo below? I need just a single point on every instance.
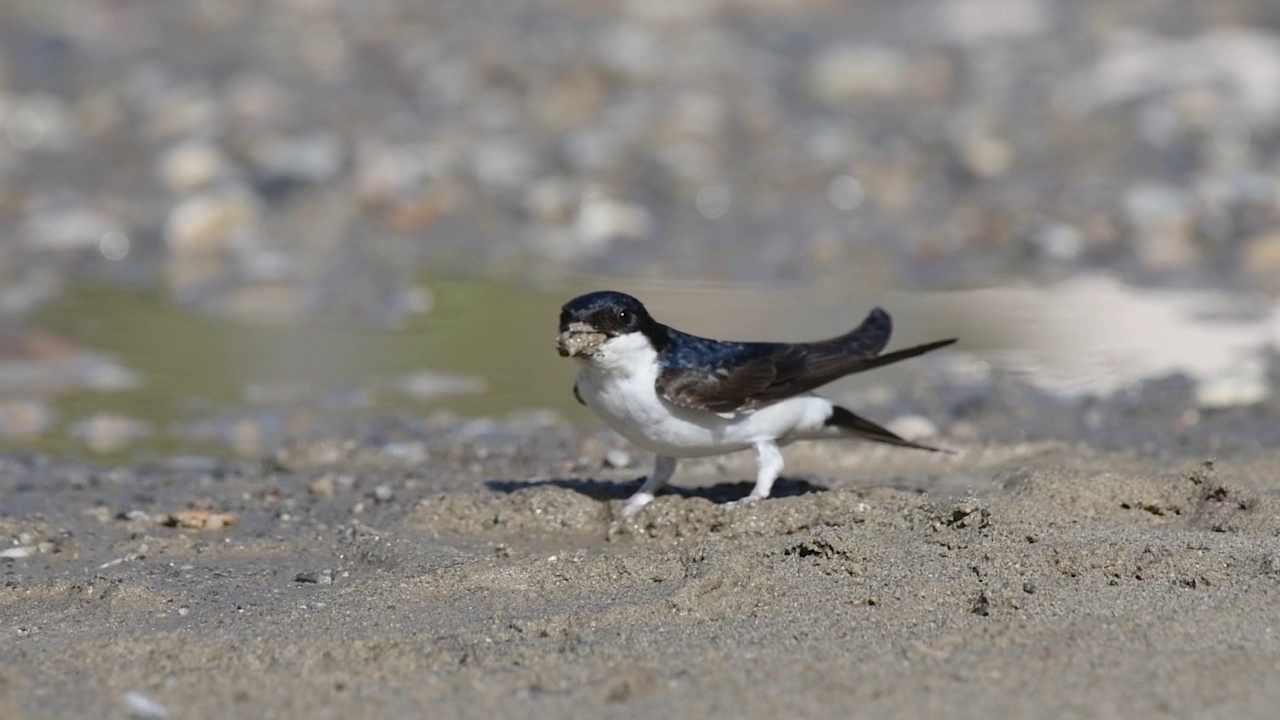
(623, 356)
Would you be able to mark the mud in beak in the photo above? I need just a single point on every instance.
(579, 339)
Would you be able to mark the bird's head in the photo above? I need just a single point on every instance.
(596, 321)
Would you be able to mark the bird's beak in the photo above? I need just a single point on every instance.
(578, 338)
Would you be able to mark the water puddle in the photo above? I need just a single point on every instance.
(185, 384)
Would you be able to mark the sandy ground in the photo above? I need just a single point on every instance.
(1036, 581)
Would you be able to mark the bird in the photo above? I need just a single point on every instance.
(683, 396)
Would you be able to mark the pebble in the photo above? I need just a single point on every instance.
(197, 520)
(307, 159)
(847, 72)
(272, 302)
(315, 577)
(618, 459)
(1260, 262)
(105, 374)
(66, 222)
(1238, 389)
(552, 200)
(1239, 69)
(143, 706)
(409, 453)
(428, 385)
(1164, 233)
(383, 493)
(988, 156)
(109, 432)
(17, 553)
(205, 225)
(913, 427)
(39, 123)
(978, 22)
(24, 419)
(322, 487)
(191, 165)
(602, 219)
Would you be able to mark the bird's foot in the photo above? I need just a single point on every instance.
(635, 504)
(750, 499)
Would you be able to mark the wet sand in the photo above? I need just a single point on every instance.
(1022, 581)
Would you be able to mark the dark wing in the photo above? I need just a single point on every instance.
(746, 376)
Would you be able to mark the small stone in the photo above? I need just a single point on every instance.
(322, 487)
(503, 165)
(618, 459)
(849, 71)
(197, 519)
(427, 385)
(190, 166)
(315, 577)
(602, 219)
(1058, 242)
(1237, 389)
(1260, 263)
(1163, 220)
(108, 432)
(24, 419)
(406, 453)
(207, 224)
(551, 200)
(65, 223)
(974, 22)
(143, 706)
(913, 427)
(988, 156)
(103, 374)
(383, 493)
(17, 553)
(309, 159)
(264, 303)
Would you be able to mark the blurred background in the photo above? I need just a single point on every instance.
(228, 224)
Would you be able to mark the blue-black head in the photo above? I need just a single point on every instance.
(588, 320)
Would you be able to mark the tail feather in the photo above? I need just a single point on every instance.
(868, 339)
(867, 430)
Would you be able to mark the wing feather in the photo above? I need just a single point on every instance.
(759, 374)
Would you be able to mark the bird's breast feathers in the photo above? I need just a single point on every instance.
(619, 385)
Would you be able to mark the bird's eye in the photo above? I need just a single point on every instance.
(625, 316)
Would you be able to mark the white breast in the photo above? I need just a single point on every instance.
(618, 385)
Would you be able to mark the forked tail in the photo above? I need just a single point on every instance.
(867, 430)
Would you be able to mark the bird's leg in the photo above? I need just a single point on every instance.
(769, 464)
(663, 468)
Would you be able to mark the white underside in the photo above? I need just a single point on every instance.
(618, 385)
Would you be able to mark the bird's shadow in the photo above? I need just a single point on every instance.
(604, 491)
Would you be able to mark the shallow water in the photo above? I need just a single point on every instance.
(194, 366)
(207, 383)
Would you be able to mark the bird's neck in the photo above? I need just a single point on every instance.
(622, 357)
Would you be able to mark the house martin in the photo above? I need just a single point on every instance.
(683, 396)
